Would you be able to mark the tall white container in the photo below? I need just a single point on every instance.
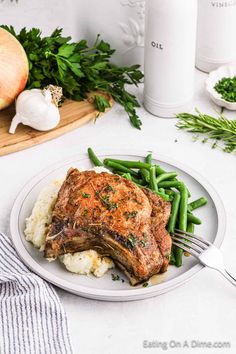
(170, 41)
(216, 37)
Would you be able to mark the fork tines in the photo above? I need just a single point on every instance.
(191, 243)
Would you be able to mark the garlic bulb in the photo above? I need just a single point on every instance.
(36, 109)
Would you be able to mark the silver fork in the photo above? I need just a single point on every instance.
(208, 254)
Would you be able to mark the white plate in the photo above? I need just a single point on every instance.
(212, 228)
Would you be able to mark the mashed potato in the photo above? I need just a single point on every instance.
(37, 224)
(86, 262)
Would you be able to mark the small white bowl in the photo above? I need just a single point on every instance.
(214, 77)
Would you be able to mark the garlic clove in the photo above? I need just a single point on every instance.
(51, 120)
(48, 96)
(15, 121)
(35, 109)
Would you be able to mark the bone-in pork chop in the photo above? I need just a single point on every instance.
(113, 216)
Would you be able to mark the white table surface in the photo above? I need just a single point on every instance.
(204, 308)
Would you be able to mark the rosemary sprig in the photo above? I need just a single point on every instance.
(217, 129)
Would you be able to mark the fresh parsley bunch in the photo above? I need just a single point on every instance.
(78, 69)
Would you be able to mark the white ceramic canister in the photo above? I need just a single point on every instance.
(170, 41)
(216, 37)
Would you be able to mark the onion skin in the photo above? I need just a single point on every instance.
(14, 68)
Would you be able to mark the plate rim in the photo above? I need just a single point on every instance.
(100, 294)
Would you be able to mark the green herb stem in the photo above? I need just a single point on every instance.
(218, 129)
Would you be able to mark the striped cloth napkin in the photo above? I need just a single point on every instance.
(32, 319)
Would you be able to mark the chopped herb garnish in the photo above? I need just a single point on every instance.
(226, 87)
(115, 277)
(86, 195)
(145, 285)
(143, 243)
(132, 240)
(112, 206)
(130, 214)
(109, 188)
(105, 199)
(137, 201)
(85, 213)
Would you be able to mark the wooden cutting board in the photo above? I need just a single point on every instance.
(73, 115)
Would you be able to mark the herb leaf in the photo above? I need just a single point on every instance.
(101, 103)
(86, 195)
(132, 241)
(130, 214)
(115, 277)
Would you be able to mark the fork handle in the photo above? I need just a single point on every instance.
(228, 276)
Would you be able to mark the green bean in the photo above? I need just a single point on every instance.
(193, 219)
(117, 167)
(132, 179)
(165, 176)
(153, 182)
(127, 176)
(163, 196)
(170, 184)
(174, 213)
(190, 227)
(159, 170)
(183, 208)
(178, 253)
(145, 175)
(171, 197)
(93, 158)
(161, 192)
(148, 159)
(174, 183)
(169, 192)
(172, 257)
(130, 164)
(197, 203)
(137, 181)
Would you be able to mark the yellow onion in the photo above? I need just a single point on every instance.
(14, 68)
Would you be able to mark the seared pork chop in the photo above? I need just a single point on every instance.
(113, 216)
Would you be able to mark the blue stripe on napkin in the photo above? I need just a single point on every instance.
(32, 319)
